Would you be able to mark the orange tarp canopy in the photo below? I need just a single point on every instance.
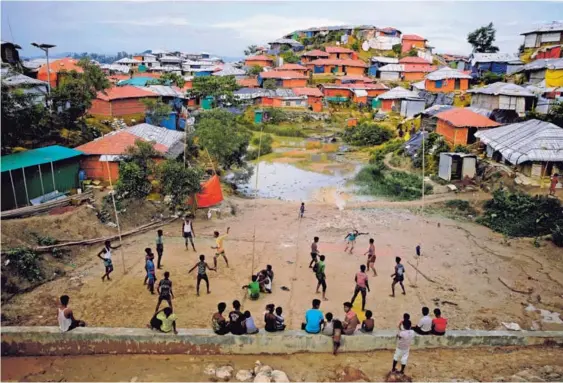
(211, 193)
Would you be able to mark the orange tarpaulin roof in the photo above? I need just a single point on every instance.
(211, 193)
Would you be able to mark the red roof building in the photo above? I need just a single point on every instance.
(340, 53)
(121, 101)
(417, 72)
(314, 97)
(293, 67)
(409, 42)
(334, 66)
(353, 79)
(459, 125)
(284, 78)
(314, 55)
(57, 68)
(248, 82)
(260, 60)
(414, 60)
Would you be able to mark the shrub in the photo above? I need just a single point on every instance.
(133, 181)
(263, 146)
(179, 181)
(376, 179)
(518, 214)
(25, 262)
(367, 135)
(557, 235)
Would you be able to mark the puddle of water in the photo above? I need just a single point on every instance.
(287, 182)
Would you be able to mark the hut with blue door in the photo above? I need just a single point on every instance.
(39, 175)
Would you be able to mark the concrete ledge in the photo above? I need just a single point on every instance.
(32, 341)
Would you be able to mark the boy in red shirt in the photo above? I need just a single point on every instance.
(439, 324)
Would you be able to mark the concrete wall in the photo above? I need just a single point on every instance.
(29, 341)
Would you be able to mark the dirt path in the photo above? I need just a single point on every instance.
(487, 364)
(464, 260)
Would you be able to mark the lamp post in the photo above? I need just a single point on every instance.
(45, 48)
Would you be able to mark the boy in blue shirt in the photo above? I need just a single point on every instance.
(314, 319)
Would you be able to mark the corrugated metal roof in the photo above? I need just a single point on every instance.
(313, 92)
(116, 67)
(544, 64)
(258, 58)
(229, 70)
(445, 73)
(462, 117)
(282, 74)
(386, 60)
(417, 68)
(36, 157)
(413, 60)
(127, 60)
(126, 91)
(171, 59)
(114, 143)
(360, 92)
(392, 68)
(291, 67)
(293, 43)
(421, 85)
(14, 79)
(502, 88)
(353, 63)
(435, 109)
(338, 50)
(172, 139)
(315, 53)
(493, 57)
(554, 26)
(249, 93)
(399, 93)
(164, 90)
(531, 140)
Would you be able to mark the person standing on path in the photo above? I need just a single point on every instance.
(219, 249)
(108, 264)
(404, 341)
(151, 273)
(398, 276)
(302, 210)
(371, 257)
(165, 291)
(361, 286)
(202, 266)
(188, 232)
(159, 247)
(319, 270)
(553, 183)
(314, 251)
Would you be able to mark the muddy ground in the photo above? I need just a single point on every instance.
(466, 270)
(484, 364)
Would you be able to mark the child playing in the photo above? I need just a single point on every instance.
(404, 340)
(302, 210)
(328, 328)
(351, 239)
(368, 324)
(151, 274)
(249, 323)
(148, 255)
(253, 288)
(336, 335)
(280, 321)
(159, 247)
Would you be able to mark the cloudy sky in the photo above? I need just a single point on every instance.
(226, 28)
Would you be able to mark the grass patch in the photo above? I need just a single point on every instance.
(378, 180)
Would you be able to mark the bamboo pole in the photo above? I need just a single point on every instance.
(116, 219)
(13, 189)
(53, 175)
(25, 186)
(41, 179)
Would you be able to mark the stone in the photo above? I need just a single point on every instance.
(516, 378)
(279, 376)
(396, 377)
(244, 375)
(511, 326)
(554, 377)
(209, 369)
(262, 378)
(224, 373)
(264, 370)
(134, 379)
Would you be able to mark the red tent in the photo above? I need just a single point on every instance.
(211, 193)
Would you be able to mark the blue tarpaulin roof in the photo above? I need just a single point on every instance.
(36, 157)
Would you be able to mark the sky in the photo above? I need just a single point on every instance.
(226, 28)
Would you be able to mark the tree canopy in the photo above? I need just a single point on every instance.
(252, 49)
(157, 110)
(221, 88)
(223, 136)
(173, 78)
(255, 70)
(482, 39)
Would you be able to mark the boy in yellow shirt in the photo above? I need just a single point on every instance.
(219, 249)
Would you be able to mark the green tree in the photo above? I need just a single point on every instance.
(355, 46)
(179, 181)
(157, 110)
(482, 39)
(289, 57)
(223, 136)
(262, 146)
(255, 70)
(221, 88)
(251, 50)
(269, 83)
(366, 134)
(397, 48)
(93, 75)
(172, 78)
(136, 169)
(412, 52)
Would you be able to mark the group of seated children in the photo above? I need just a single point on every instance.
(261, 283)
(243, 323)
(427, 325)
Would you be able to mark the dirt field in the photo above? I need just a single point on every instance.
(461, 263)
(490, 364)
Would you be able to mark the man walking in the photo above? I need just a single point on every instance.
(398, 276)
(188, 232)
(361, 286)
(319, 270)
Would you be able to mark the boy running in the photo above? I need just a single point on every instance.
(159, 247)
(319, 270)
(165, 291)
(219, 249)
(314, 251)
(188, 232)
(371, 257)
(202, 266)
(361, 286)
(351, 239)
(108, 264)
(398, 276)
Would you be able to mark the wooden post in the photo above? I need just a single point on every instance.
(116, 219)
(25, 186)
(53, 175)
(13, 189)
(41, 179)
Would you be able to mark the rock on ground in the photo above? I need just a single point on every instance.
(209, 369)
(279, 376)
(224, 372)
(396, 377)
(244, 375)
(262, 377)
